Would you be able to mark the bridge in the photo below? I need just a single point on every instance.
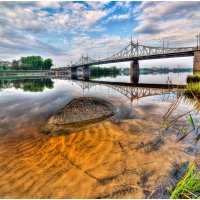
(132, 93)
(135, 52)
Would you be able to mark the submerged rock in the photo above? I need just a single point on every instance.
(79, 113)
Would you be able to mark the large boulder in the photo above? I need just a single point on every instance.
(78, 113)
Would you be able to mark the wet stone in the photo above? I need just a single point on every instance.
(78, 113)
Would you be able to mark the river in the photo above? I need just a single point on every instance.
(129, 155)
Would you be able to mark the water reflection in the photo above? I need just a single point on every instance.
(134, 77)
(116, 158)
(86, 76)
(131, 92)
(27, 84)
(157, 78)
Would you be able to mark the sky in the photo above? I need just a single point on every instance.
(64, 31)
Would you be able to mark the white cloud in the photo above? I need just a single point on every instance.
(62, 32)
(172, 9)
(96, 5)
(177, 22)
(22, 23)
(76, 17)
(48, 4)
(118, 17)
(103, 47)
(62, 19)
(90, 17)
(42, 13)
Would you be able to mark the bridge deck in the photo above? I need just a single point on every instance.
(144, 85)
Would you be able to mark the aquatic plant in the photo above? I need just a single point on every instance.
(189, 186)
(170, 121)
(182, 132)
(193, 86)
(192, 89)
(193, 78)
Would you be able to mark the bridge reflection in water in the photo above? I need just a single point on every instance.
(131, 91)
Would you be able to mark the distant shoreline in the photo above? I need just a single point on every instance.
(102, 72)
(24, 73)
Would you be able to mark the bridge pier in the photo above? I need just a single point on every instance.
(73, 72)
(196, 61)
(134, 71)
(86, 73)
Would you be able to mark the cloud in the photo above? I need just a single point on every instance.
(103, 47)
(21, 17)
(31, 17)
(33, 45)
(26, 26)
(48, 4)
(118, 17)
(64, 30)
(96, 5)
(85, 45)
(90, 17)
(75, 17)
(173, 9)
(177, 22)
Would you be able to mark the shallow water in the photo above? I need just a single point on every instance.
(121, 157)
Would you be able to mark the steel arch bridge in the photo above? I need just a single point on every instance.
(130, 92)
(135, 51)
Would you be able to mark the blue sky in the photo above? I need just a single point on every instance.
(66, 30)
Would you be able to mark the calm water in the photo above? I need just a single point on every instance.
(125, 156)
(176, 78)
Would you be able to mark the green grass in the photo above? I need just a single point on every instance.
(193, 78)
(192, 89)
(189, 186)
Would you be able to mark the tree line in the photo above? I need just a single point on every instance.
(104, 70)
(27, 63)
(99, 72)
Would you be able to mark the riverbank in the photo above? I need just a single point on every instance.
(20, 73)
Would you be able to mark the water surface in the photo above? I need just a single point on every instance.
(175, 78)
(125, 156)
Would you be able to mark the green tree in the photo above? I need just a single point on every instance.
(28, 63)
(31, 63)
(4, 67)
(15, 64)
(47, 64)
